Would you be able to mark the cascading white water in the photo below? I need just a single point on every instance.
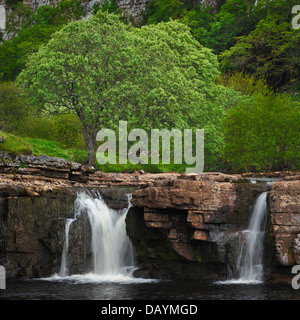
(250, 259)
(64, 265)
(249, 265)
(112, 250)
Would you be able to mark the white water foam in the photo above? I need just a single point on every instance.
(112, 250)
(250, 260)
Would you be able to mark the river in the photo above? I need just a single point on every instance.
(154, 290)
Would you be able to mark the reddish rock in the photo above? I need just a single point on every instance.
(285, 220)
(200, 235)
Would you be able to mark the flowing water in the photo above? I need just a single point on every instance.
(249, 264)
(113, 266)
(250, 259)
(112, 251)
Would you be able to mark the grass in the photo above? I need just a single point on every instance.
(22, 145)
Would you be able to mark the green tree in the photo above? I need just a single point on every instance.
(14, 53)
(104, 71)
(163, 10)
(270, 51)
(216, 29)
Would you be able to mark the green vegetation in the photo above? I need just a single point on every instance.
(21, 145)
(232, 70)
(263, 135)
(100, 79)
(257, 39)
(33, 30)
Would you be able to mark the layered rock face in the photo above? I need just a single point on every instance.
(132, 9)
(285, 219)
(191, 221)
(32, 229)
(181, 226)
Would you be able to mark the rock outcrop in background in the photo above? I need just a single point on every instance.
(134, 10)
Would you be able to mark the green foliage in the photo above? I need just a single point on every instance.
(12, 2)
(20, 17)
(14, 53)
(109, 6)
(17, 117)
(12, 108)
(64, 129)
(163, 10)
(103, 70)
(21, 145)
(213, 27)
(33, 30)
(217, 29)
(271, 51)
(263, 135)
(247, 84)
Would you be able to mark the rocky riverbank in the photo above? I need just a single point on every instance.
(181, 226)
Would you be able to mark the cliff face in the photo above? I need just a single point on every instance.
(32, 229)
(133, 9)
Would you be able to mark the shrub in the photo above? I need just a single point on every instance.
(12, 108)
(263, 135)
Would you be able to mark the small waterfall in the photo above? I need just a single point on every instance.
(249, 265)
(112, 251)
(250, 259)
(64, 266)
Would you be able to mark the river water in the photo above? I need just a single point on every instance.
(139, 290)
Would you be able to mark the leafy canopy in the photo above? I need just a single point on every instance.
(104, 71)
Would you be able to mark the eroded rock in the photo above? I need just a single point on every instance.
(285, 220)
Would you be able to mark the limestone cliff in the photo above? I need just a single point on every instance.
(133, 9)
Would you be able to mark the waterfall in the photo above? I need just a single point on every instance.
(249, 264)
(64, 266)
(112, 251)
(250, 259)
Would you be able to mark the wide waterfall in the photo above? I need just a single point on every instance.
(112, 250)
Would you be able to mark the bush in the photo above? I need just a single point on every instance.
(263, 135)
(12, 108)
(247, 84)
(64, 129)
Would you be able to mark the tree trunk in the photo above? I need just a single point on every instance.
(90, 142)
